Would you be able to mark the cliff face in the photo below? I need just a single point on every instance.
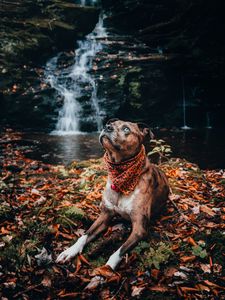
(180, 26)
(188, 36)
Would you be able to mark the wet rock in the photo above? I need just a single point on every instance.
(32, 30)
(192, 32)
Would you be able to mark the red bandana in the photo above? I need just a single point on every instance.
(125, 175)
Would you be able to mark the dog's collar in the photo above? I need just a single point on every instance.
(125, 175)
(113, 187)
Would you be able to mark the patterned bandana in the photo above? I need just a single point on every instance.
(125, 175)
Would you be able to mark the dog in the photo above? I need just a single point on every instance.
(135, 189)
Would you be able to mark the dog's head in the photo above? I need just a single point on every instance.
(122, 140)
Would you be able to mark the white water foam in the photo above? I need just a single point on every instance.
(78, 83)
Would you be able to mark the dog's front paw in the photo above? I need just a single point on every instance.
(66, 255)
(73, 250)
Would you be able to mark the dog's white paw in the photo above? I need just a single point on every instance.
(114, 259)
(66, 255)
(73, 250)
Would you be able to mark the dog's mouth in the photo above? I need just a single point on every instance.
(107, 142)
(104, 137)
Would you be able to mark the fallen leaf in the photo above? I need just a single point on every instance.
(207, 210)
(187, 258)
(43, 257)
(182, 275)
(205, 268)
(136, 291)
(46, 281)
(95, 282)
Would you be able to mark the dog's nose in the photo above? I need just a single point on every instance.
(108, 127)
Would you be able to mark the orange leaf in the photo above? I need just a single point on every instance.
(213, 285)
(188, 289)
(187, 258)
(69, 295)
(202, 287)
(4, 231)
(159, 288)
(155, 273)
(106, 272)
(78, 265)
(207, 210)
(66, 236)
(84, 260)
(191, 241)
(210, 261)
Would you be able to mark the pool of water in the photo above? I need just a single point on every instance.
(204, 147)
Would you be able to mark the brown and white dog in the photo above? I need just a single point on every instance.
(123, 142)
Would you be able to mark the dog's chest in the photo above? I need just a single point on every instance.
(118, 203)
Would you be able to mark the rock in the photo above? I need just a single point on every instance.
(192, 32)
(31, 30)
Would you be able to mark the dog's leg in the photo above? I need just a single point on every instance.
(97, 227)
(139, 232)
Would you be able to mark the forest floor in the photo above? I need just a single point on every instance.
(45, 208)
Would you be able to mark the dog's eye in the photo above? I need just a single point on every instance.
(126, 129)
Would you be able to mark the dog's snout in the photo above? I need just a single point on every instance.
(108, 127)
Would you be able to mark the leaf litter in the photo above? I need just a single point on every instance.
(45, 208)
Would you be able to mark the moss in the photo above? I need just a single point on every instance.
(121, 80)
(135, 70)
(33, 227)
(10, 257)
(85, 164)
(50, 24)
(5, 212)
(71, 213)
(134, 89)
(100, 261)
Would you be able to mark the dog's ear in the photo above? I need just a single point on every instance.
(112, 120)
(144, 128)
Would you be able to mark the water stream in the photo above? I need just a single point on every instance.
(185, 127)
(77, 86)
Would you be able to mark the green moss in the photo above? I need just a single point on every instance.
(5, 212)
(10, 257)
(121, 80)
(135, 70)
(134, 90)
(32, 227)
(49, 24)
(100, 261)
(72, 212)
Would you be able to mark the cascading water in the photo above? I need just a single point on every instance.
(208, 124)
(185, 127)
(78, 83)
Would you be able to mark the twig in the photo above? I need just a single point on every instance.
(27, 290)
(122, 283)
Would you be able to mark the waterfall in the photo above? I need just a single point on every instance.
(78, 83)
(184, 106)
(208, 124)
